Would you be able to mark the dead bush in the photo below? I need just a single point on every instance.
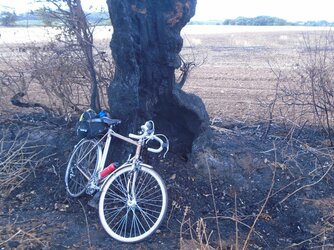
(53, 76)
(19, 157)
(65, 75)
(305, 94)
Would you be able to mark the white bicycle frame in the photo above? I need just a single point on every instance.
(95, 182)
(102, 157)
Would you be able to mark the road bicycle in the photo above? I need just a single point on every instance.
(133, 198)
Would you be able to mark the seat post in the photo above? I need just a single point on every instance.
(105, 149)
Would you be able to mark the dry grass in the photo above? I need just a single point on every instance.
(324, 231)
(21, 152)
(18, 237)
(19, 157)
(201, 236)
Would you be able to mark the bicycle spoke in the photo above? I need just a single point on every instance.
(76, 183)
(120, 225)
(146, 216)
(112, 194)
(83, 152)
(142, 183)
(121, 185)
(139, 213)
(112, 215)
(145, 187)
(149, 193)
(81, 167)
(138, 225)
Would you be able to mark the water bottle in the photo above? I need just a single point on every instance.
(105, 172)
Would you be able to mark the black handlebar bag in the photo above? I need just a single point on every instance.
(91, 128)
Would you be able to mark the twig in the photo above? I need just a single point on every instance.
(214, 202)
(236, 222)
(308, 185)
(281, 189)
(222, 130)
(182, 223)
(260, 212)
(87, 225)
(34, 238)
(11, 237)
(304, 241)
(174, 205)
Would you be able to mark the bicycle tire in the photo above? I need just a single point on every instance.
(83, 161)
(133, 222)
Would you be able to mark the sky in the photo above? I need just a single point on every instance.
(290, 10)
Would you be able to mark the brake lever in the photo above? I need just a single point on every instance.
(166, 145)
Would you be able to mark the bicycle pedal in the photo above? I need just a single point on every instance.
(94, 202)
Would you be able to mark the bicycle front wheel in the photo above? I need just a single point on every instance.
(131, 217)
(81, 166)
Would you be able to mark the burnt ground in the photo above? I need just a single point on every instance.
(282, 184)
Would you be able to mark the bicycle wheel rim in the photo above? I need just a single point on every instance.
(85, 157)
(133, 223)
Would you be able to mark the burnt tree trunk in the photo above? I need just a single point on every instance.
(145, 45)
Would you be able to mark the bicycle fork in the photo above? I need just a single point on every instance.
(131, 190)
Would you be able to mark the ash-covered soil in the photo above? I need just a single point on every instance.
(272, 191)
(276, 188)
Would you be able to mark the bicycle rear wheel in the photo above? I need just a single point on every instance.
(81, 166)
(132, 219)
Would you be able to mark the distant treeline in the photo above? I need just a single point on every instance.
(40, 17)
(262, 21)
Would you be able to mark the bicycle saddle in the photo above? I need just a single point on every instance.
(110, 121)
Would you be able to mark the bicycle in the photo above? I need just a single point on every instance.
(133, 198)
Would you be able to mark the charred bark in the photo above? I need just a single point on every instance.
(146, 43)
(16, 100)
